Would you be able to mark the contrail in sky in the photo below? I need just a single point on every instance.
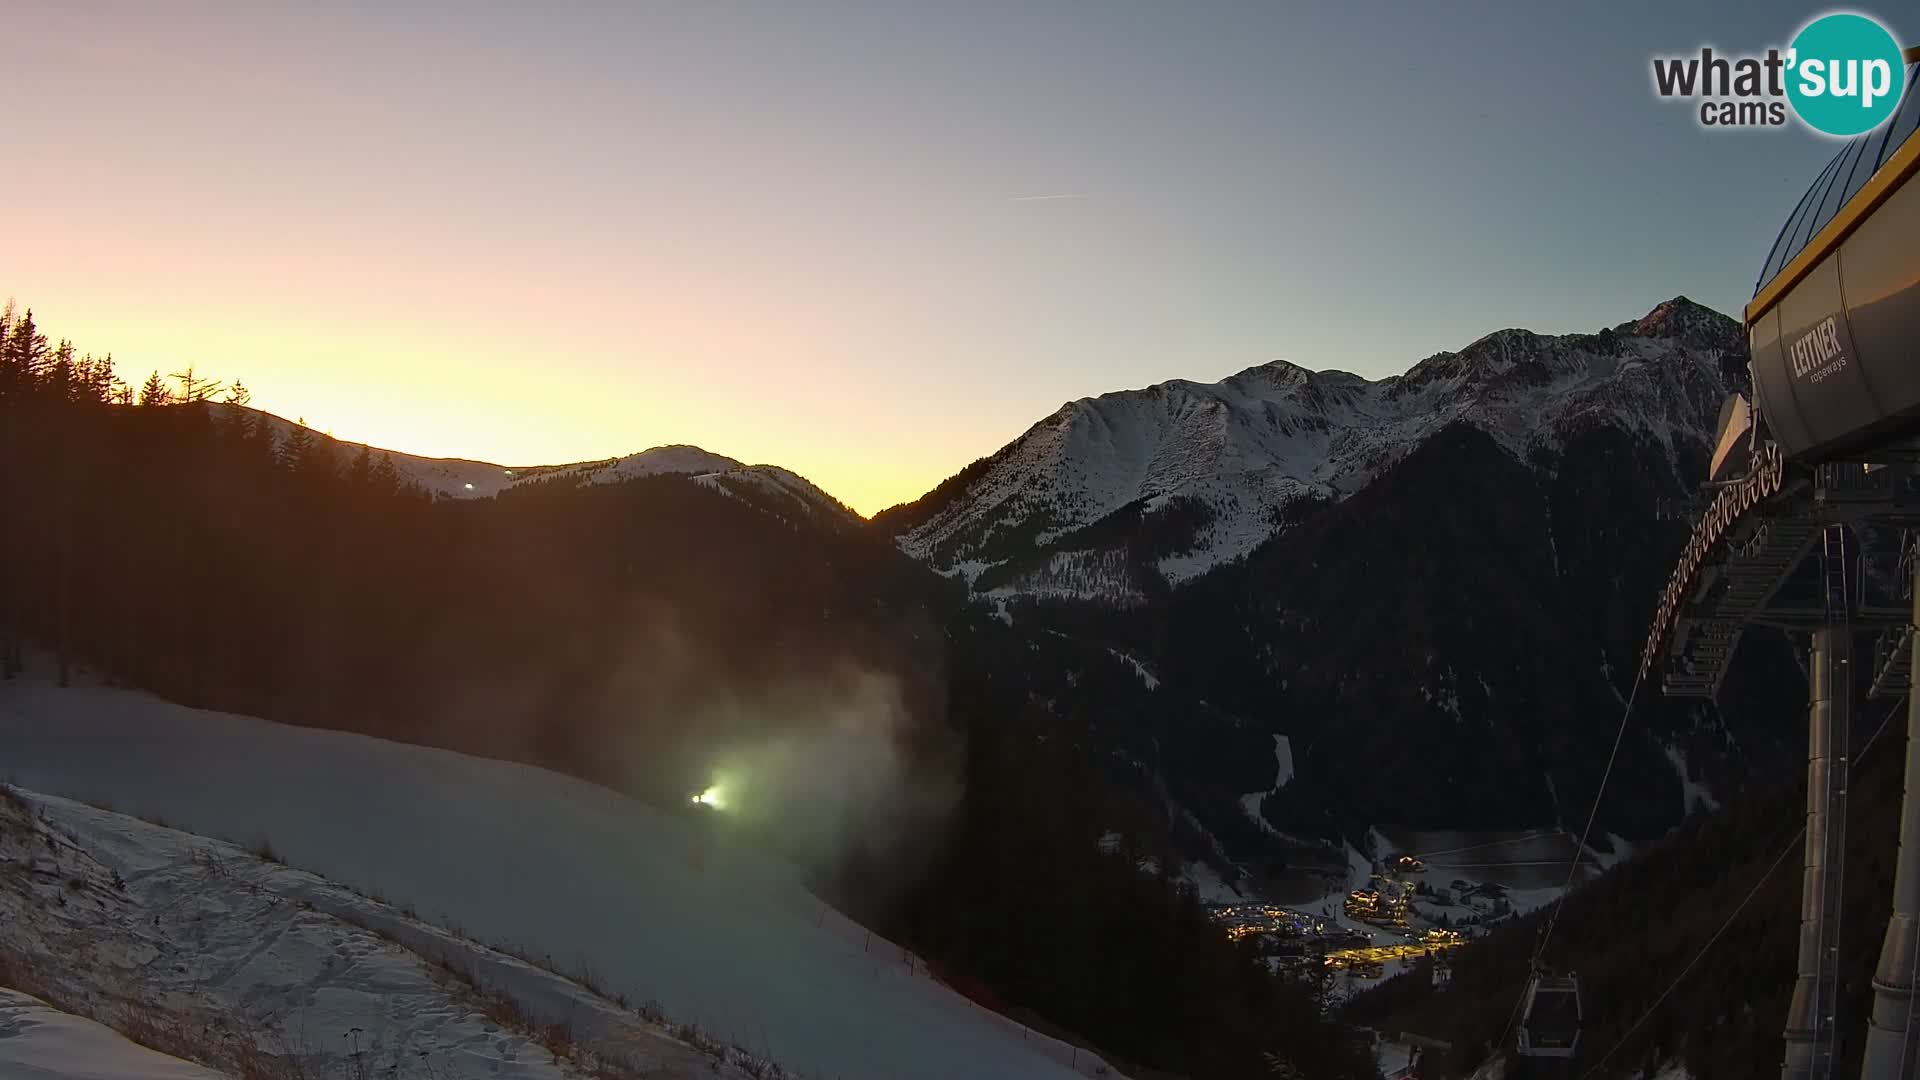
(1044, 198)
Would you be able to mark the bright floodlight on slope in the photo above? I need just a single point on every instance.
(713, 797)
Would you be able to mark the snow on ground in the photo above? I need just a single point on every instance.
(1514, 859)
(1209, 886)
(461, 478)
(1147, 678)
(798, 491)
(1359, 869)
(662, 907)
(1250, 805)
(1071, 575)
(1528, 866)
(1282, 775)
(1396, 1059)
(1331, 908)
(1380, 844)
(1348, 982)
(220, 955)
(1692, 792)
(39, 1041)
(1528, 901)
(1245, 449)
(1607, 860)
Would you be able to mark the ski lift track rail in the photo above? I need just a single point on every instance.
(1734, 506)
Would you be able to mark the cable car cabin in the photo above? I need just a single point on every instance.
(1835, 320)
(1550, 1026)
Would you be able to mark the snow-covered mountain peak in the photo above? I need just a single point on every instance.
(682, 458)
(774, 488)
(1224, 461)
(1678, 318)
(1274, 374)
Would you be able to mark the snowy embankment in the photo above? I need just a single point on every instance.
(214, 953)
(39, 1041)
(656, 907)
(1282, 776)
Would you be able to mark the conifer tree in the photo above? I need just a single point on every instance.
(265, 444)
(360, 473)
(61, 377)
(320, 461)
(386, 478)
(20, 361)
(95, 380)
(242, 430)
(193, 387)
(154, 392)
(296, 453)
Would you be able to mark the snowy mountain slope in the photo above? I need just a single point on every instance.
(40, 1042)
(663, 907)
(223, 957)
(459, 478)
(1201, 473)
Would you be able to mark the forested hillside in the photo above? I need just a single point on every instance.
(632, 633)
(1439, 582)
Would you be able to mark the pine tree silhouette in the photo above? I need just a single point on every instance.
(153, 392)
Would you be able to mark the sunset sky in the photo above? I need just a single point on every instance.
(867, 241)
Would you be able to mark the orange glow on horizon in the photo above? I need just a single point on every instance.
(870, 250)
(434, 399)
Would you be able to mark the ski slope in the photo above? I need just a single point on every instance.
(658, 907)
(213, 954)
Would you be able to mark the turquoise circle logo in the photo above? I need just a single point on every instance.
(1845, 74)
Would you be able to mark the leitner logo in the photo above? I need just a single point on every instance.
(1841, 76)
(1815, 353)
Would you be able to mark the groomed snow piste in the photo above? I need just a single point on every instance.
(214, 954)
(658, 907)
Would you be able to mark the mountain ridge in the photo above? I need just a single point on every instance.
(468, 478)
(1206, 472)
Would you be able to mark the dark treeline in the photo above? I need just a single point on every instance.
(229, 560)
(1026, 894)
(176, 540)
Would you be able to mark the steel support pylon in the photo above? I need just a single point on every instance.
(1893, 1035)
(1809, 1031)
